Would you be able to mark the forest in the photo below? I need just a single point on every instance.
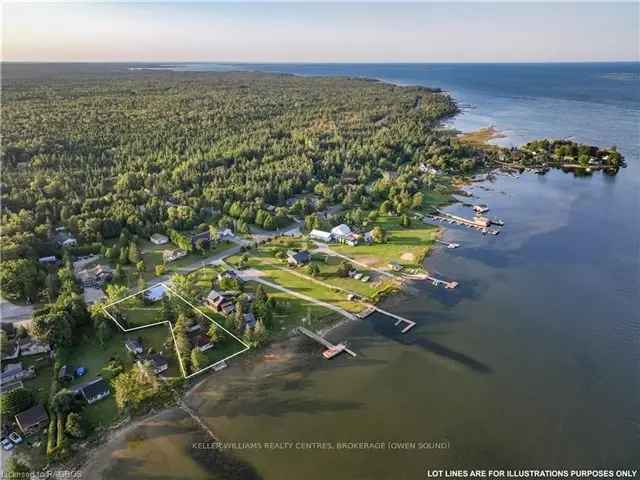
(98, 148)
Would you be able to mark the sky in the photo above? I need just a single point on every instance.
(321, 32)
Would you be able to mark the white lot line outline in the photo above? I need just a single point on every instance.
(162, 284)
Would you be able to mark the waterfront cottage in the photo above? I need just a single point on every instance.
(203, 343)
(95, 390)
(32, 419)
(157, 362)
(134, 346)
(298, 258)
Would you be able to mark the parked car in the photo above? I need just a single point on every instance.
(6, 444)
(15, 438)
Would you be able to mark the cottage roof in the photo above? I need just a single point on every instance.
(95, 388)
(32, 417)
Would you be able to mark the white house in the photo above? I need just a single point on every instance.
(227, 232)
(343, 234)
(341, 230)
(159, 239)
(320, 235)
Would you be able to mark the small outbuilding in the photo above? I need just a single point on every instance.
(159, 239)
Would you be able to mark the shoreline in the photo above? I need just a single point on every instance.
(115, 433)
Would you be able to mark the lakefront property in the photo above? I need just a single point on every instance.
(169, 264)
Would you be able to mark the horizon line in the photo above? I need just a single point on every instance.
(313, 62)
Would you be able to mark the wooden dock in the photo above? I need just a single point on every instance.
(436, 282)
(365, 313)
(447, 244)
(332, 350)
(465, 222)
(409, 324)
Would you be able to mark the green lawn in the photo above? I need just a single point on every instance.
(329, 273)
(406, 246)
(262, 260)
(41, 383)
(292, 311)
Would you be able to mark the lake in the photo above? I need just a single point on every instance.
(533, 361)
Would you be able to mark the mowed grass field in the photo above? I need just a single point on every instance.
(262, 259)
(406, 246)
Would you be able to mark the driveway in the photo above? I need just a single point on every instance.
(11, 313)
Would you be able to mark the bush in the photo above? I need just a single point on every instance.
(16, 401)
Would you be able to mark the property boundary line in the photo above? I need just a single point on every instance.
(175, 343)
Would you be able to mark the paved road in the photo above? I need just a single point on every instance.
(11, 313)
(260, 235)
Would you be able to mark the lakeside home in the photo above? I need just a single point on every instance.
(32, 419)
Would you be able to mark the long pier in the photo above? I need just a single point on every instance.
(465, 222)
(323, 341)
(409, 324)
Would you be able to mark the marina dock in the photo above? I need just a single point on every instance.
(477, 224)
(332, 350)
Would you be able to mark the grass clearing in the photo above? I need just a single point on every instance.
(406, 246)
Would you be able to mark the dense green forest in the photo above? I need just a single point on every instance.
(100, 148)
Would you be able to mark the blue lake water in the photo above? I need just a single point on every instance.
(534, 361)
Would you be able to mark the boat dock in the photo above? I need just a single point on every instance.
(436, 282)
(409, 324)
(365, 313)
(447, 244)
(465, 222)
(332, 350)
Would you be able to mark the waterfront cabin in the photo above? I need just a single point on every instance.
(95, 390)
(134, 345)
(157, 362)
(32, 419)
(298, 258)
(203, 343)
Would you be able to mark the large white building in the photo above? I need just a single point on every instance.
(320, 235)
